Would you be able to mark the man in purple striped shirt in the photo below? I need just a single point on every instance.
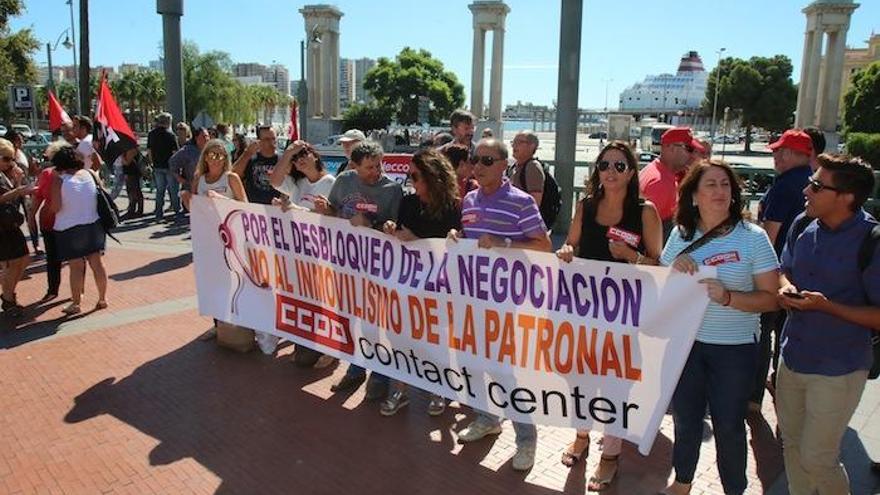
(500, 215)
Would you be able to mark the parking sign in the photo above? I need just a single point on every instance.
(22, 98)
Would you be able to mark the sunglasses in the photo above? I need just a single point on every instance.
(215, 155)
(299, 154)
(619, 166)
(6, 158)
(486, 161)
(817, 186)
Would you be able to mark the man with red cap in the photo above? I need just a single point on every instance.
(776, 212)
(658, 181)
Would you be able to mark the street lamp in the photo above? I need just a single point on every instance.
(715, 104)
(606, 81)
(303, 92)
(73, 45)
(724, 139)
(50, 48)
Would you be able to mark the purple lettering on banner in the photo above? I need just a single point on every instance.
(466, 275)
(632, 301)
(296, 238)
(482, 278)
(374, 256)
(536, 281)
(387, 259)
(518, 282)
(499, 280)
(582, 304)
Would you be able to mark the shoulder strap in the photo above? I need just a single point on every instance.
(867, 248)
(717, 231)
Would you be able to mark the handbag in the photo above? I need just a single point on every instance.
(108, 212)
(10, 216)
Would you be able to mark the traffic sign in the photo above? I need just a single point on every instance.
(21, 98)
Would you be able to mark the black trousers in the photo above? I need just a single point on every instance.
(53, 265)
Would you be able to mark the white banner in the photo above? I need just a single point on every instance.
(516, 333)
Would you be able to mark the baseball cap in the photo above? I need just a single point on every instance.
(675, 135)
(795, 140)
(697, 146)
(352, 135)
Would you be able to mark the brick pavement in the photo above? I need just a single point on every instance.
(127, 401)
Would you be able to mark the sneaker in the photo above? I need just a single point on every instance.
(524, 458)
(477, 430)
(348, 382)
(436, 406)
(397, 401)
(377, 388)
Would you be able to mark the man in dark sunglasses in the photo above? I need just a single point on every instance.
(831, 288)
(658, 181)
(499, 215)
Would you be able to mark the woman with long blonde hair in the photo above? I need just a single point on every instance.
(214, 177)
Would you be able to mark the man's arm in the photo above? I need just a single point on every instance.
(773, 230)
(240, 165)
(534, 180)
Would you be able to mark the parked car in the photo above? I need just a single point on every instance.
(24, 130)
(331, 145)
(2, 129)
(724, 138)
(598, 135)
(646, 158)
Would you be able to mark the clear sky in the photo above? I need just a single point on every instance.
(622, 41)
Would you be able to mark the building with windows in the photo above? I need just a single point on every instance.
(351, 81)
(669, 93)
(855, 59)
(275, 75)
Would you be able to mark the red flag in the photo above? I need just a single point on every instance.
(294, 127)
(57, 115)
(113, 129)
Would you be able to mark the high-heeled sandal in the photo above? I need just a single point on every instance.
(597, 484)
(572, 455)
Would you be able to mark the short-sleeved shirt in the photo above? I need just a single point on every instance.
(86, 148)
(825, 260)
(738, 256)
(534, 182)
(302, 193)
(184, 162)
(44, 192)
(659, 185)
(784, 201)
(507, 212)
(256, 179)
(413, 216)
(162, 143)
(379, 202)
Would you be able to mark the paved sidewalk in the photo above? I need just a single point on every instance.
(126, 400)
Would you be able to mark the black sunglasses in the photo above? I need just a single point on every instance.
(619, 166)
(299, 154)
(485, 161)
(817, 186)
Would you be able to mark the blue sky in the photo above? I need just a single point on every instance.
(622, 41)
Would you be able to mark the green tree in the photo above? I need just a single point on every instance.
(397, 84)
(16, 51)
(861, 103)
(208, 83)
(759, 90)
(65, 91)
(366, 117)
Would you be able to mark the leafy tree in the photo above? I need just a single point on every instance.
(759, 90)
(208, 83)
(397, 84)
(16, 51)
(366, 117)
(861, 103)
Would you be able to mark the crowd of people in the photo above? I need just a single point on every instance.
(797, 287)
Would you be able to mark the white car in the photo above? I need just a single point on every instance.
(331, 145)
(2, 129)
(23, 129)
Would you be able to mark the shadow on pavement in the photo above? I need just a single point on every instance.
(155, 267)
(247, 420)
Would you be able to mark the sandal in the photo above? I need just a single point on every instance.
(597, 484)
(71, 309)
(572, 455)
(101, 305)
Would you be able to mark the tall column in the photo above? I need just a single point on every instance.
(171, 11)
(478, 67)
(812, 86)
(314, 80)
(805, 77)
(497, 64)
(334, 76)
(328, 91)
(833, 76)
(567, 105)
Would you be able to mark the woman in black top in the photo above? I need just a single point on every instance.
(611, 224)
(431, 212)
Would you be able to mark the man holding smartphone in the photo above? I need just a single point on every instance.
(831, 288)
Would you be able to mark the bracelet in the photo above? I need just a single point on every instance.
(639, 258)
(729, 298)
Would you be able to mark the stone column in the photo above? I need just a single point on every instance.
(497, 64)
(478, 67)
(322, 37)
(312, 81)
(805, 76)
(833, 76)
(171, 11)
(812, 86)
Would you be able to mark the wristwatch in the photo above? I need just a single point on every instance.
(507, 242)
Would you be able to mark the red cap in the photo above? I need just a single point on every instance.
(795, 140)
(678, 135)
(697, 146)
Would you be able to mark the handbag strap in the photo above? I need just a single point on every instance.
(719, 230)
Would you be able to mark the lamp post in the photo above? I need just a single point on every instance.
(75, 67)
(606, 81)
(724, 140)
(715, 104)
(50, 48)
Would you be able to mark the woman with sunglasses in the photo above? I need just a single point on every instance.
(611, 224)
(213, 176)
(13, 246)
(431, 212)
(720, 369)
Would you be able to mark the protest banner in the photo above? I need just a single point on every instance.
(517, 333)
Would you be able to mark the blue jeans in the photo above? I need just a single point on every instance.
(526, 433)
(355, 370)
(164, 179)
(722, 376)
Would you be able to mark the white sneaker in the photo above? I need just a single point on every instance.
(524, 458)
(477, 430)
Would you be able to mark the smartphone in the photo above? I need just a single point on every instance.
(793, 295)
